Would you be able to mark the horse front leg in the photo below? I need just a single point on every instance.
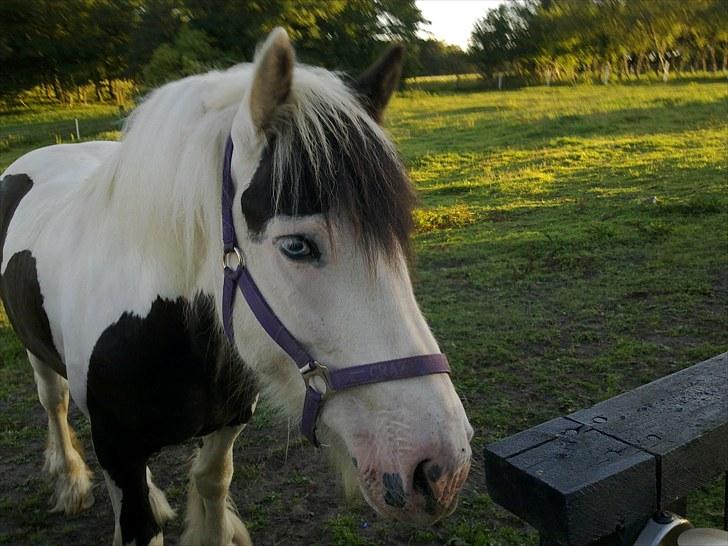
(211, 518)
(63, 455)
(140, 508)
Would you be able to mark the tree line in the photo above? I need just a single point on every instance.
(69, 49)
(66, 47)
(569, 39)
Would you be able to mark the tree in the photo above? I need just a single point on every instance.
(497, 39)
(430, 57)
(660, 24)
(157, 23)
(190, 53)
(111, 32)
(708, 31)
(64, 43)
(338, 34)
(352, 33)
(567, 37)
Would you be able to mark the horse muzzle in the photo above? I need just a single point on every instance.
(420, 491)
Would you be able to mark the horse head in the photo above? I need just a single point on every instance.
(322, 209)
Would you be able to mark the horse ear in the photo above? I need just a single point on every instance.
(376, 85)
(272, 80)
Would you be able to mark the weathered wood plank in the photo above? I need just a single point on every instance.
(528, 439)
(599, 473)
(574, 484)
(682, 419)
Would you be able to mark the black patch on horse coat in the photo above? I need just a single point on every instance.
(12, 189)
(421, 484)
(19, 286)
(157, 381)
(393, 490)
(259, 202)
(20, 292)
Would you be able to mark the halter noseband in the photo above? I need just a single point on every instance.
(237, 274)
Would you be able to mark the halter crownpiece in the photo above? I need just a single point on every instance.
(237, 274)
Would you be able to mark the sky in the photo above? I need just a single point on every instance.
(452, 20)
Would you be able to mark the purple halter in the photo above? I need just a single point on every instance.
(335, 380)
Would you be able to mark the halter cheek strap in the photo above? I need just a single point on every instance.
(238, 275)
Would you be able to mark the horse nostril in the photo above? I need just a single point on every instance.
(434, 472)
(424, 474)
(419, 479)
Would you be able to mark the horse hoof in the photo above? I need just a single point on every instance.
(73, 492)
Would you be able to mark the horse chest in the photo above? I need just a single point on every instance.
(168, 376)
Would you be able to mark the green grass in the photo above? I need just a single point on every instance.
(571, 245)
(23, 129)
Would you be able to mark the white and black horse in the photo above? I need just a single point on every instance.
(111, 273)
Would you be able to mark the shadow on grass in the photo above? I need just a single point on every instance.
(488, 133)
(579, 285)
(447, 112)
(513, 83)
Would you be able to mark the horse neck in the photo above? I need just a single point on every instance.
(164, 206)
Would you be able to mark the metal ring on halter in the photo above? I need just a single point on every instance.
(234, 252)
(316, 369)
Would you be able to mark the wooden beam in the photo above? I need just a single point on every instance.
(600, 473)
(573, 483)
(682, 419)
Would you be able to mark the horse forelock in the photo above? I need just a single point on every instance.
(325, 154)
(338, 164)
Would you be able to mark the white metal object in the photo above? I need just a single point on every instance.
(663, 529)
(703, 537)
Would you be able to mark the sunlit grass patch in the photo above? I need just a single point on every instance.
(24, 129)
(456, 216)
(108, 135)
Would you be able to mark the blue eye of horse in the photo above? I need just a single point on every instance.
(297, 247)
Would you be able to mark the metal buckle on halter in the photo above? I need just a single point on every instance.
(316, 369)
(235, 252)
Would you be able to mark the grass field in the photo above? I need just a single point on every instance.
(571, 245)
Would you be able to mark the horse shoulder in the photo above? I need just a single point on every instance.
(166, 376)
